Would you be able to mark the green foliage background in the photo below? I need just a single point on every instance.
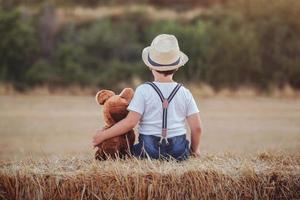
(248, 43)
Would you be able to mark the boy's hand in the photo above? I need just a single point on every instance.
(97, 138)
(195, 153)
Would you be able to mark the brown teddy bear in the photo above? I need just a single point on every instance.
(114, 110)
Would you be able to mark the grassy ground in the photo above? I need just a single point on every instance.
(250, 150)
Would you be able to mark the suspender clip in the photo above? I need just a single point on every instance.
(163, 138)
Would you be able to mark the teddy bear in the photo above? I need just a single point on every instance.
(114, 110)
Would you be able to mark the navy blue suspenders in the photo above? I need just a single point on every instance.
(165, 103)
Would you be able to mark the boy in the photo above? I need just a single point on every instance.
(161, 107)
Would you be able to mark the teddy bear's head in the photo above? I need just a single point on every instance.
(114, 106)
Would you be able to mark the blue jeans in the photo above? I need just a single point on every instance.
(149, 146)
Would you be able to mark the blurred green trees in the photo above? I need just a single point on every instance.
(18, 47)
(248, 43)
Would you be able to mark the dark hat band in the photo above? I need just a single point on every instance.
(153, 63)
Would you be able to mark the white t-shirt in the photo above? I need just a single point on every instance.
(147, 103)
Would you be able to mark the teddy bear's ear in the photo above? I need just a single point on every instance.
(103, 95)
(127, 93)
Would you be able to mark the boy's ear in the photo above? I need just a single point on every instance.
(127, 93)
(103, 95)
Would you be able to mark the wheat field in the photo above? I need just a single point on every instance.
(250, 150)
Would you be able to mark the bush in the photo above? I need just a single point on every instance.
(41, 72)
(231, 55)
(99, 54)
(18, 47)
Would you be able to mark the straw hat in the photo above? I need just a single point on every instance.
(164, 53)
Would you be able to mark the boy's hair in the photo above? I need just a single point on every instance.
(166, 73)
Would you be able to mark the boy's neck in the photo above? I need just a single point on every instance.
(164, 79)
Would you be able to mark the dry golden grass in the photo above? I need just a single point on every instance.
(45, 153)
(265, 176)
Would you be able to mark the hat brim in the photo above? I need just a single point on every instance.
(183, 60)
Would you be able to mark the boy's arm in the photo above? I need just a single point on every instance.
(119, 128)
(196, 130)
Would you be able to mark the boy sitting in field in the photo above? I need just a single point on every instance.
(161, 107)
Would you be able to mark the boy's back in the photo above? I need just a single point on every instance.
(147, 103)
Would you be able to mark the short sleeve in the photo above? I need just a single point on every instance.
(191, 106)
(137, 103)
